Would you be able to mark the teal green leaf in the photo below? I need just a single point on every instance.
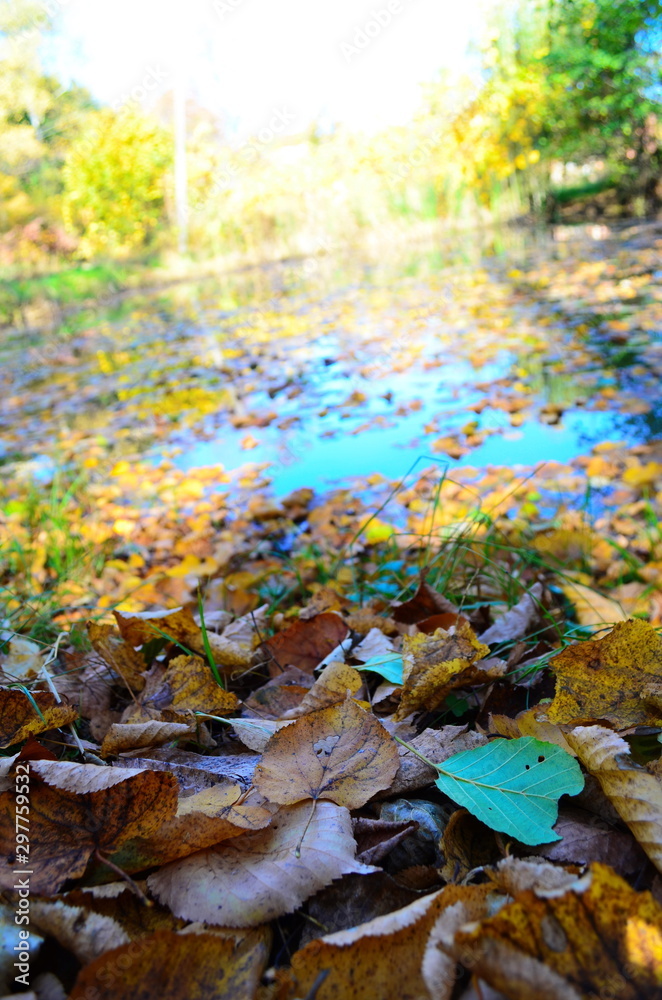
(389, 665)
(513, 785)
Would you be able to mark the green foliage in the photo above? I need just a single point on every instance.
(115, 181)
(513, 785)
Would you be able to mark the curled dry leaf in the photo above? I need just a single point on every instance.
(18, 718)
(435, 664)
(604, 678)
(635, 793)
(256, 877)
(598, 937)
(515, 623)
(342, 753)
(189, 685)
(125, 736)
(76, 809)
(196, 966)
(305, 643)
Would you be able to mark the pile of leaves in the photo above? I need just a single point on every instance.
(339, 798)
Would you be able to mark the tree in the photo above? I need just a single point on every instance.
(115, 180)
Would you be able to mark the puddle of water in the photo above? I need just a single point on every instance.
(341, 368)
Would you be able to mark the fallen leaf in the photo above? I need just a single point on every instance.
(202, 820)
(466, 844)
(597, 938)
(23, 660)
(342, 753)
(593, 609)
(189, 685)
(76, 809)
(437, 745)
(121, 657)
(195, 966)
(604, 678)
(336, 682)
(635, 793)
(374, 644)
(515, 623)
(305, 643)
(426, 602)
(259, 876)
(124, 736)
(435, 664)
(585, 838)
(512, 785)
(18, 718)
(375, 838)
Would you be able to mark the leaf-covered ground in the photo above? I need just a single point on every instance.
(396, 739)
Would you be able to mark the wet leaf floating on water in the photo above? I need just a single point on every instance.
(513, 785)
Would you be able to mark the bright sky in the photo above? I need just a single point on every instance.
(308, 59)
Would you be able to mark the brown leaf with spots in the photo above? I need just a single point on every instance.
(305, 643)
(596, 938)
(612, 678)
(435, 664)
(76, 809)
(18, 718)
(342, 753)
(189, 685)
(386, 957)
(184, 966)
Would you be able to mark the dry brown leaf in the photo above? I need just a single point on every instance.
(335, 683)
(342, 753)
(466, 844)
(200, 966)
(76, 809)
(635, 793)
(23, 659)
(204, 819)
(596, 938)
(18, 718)
(128, 663)
(125, 736)
(435, 664)
(375, 838)
(585, 838)
(189, 685)
(604, 678)
(387, 957)
(515, 623)
(593, 610)
(254, 878)
(195, 772)
(305, 643)
(425, 602)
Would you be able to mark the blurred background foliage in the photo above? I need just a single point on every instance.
(565, 109)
